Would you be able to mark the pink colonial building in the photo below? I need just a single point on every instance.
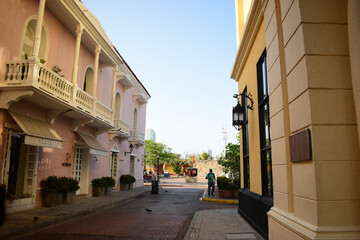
(69, 104)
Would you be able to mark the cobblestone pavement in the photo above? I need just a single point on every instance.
(171, 213)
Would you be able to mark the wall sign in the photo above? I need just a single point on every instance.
(300, 146)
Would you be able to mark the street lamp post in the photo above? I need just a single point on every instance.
(158, 168)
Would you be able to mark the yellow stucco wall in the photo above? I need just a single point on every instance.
(248, 78)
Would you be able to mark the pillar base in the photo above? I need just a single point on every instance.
(283, 225)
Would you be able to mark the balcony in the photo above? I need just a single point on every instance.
(121, 130)
(137, 137)
(34, 82)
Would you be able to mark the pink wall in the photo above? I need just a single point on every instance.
(61, 53)
(11, 34)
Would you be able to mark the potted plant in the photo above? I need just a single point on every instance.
(225, 188)
(124, 182)
(110, 183)
(98, 187)
(52, 191)
(70, 186)
(132, 179)
(236, 187)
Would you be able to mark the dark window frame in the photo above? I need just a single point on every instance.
(245, 135)
(264, 127)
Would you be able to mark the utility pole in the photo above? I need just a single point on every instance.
(224, 133)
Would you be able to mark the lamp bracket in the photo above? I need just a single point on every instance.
(248, 96)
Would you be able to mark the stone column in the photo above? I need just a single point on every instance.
(38, 29)
(79, 31)
(113, 92)
(96, 67)
(354, 51)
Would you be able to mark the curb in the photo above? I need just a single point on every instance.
(194, 228)
(165, 185)
(231, 202)
(22, 230)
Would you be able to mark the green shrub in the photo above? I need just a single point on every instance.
(223, 183)
(109, 181)
(132, 178)
(127, 178)
(236, 183)
(98, 182)
(69, 184)
(52, 184)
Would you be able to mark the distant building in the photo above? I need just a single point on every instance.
(150, 134)
(210, 152)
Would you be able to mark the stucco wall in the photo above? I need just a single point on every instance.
(248, 78)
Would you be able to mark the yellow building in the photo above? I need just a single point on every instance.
(300, 160)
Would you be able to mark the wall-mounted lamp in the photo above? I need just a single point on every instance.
(238, 111)
(131, 148)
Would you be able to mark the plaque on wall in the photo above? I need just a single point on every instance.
(300, 146)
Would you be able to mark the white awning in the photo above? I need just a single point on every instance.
(37, 132)
(95, 147)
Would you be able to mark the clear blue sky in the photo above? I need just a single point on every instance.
(183, 52)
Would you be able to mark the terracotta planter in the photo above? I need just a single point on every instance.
(236, 194)
(131, 186)
(51, 199)
(98, 191)
(226, 193)
(68, 197)
(124, 186)
(108, 190)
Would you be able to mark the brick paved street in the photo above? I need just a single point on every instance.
(172, 211)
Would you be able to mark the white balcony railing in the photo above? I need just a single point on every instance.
(31, 73)
(137, 137)
(120, 124)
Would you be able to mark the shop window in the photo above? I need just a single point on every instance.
(245, 137)
(264, 127)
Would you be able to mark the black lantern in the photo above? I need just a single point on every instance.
(131, 148)
(238, 116)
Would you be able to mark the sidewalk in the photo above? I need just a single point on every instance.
(218, 199)
(22, 222)
(218, 224)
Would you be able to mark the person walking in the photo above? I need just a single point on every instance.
(211, 182)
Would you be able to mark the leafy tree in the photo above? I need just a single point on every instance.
(231, 160)
(154, 148)
(205, 156)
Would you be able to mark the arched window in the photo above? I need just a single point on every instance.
(135, 119)
(88, 80)
(117, 106)
(28, 40)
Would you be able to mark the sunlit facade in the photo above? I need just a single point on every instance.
(299, 143)
(69, 103)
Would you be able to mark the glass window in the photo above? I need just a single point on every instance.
(264, 127)
(245, 135)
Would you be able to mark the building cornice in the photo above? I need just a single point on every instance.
(77, 9)
(252, 26)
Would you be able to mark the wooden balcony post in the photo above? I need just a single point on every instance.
(79, 31)
(113, 93)
(38, 30)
